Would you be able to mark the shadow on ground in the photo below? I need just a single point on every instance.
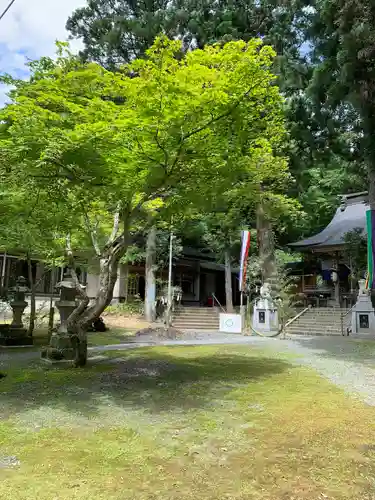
(152, 381)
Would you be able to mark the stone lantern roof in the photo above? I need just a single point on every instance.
(67, 281)
(20, 286)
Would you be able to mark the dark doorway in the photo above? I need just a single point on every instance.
(220, 287)
(202, 289)
(142, 287)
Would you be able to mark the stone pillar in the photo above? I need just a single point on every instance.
(265, 314)
(15, 334)
(197, 284)
(336, 281)
(363, 314)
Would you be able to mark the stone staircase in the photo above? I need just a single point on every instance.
(320, 321)
(196, 318)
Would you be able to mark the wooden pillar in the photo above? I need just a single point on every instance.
(337, 282)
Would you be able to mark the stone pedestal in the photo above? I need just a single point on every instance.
(363, 314)
(265, 317)
(15, 334)
(61, 343)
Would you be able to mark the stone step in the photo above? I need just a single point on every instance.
(197, 327)
(322, 321)
(326, 319)
(314, 334)
(316, 324)
(195, 322)
(195, 318)
(313, 312)
(323, 331)
(197, 311)
(324, 315)
(314, 327)
(201, 309)
(329, 308)
(194, 315)
(313, 331)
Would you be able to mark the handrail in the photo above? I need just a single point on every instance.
(297, 316)
(348, 312)
(217, 300)
(282, 329)
(342, 316)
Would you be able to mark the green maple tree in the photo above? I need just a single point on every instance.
(167, 132)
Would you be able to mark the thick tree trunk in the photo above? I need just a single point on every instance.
(31, 327)
(150, 295)
(371, 199)
(228, 282)
(83, 316)
(265, 244)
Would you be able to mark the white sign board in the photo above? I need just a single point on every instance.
(230, 323)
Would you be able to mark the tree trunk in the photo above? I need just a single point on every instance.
(31, 327)
(79, 342)
(150, 291)
(83, 316)
(371, 199)
(51, 313)
(228, 282)
(265, 244)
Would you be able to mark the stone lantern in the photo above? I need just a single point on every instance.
(67, 302)
(16, 333)
(18, 303)
(61, 346)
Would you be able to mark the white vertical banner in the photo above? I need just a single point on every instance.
(243, 262)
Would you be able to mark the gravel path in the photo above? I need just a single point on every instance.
(345, 363)
(342, 361)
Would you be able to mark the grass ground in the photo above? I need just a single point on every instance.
(217, 422)
(120, 328)
(110, 337)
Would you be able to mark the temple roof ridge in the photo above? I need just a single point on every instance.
(350, 215)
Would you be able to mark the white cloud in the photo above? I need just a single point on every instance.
(29, 30)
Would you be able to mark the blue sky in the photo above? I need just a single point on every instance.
(29, 30)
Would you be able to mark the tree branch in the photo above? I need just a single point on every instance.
(79, 289)
(166, 156)
(68, 247)
(214, 119)
(92, 231)
(116, 224)
(154, 160)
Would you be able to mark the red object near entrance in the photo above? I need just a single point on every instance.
(210, 302)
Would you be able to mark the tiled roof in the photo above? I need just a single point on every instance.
(349, 216)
